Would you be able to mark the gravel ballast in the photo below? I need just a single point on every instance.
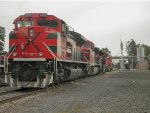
(114, 92)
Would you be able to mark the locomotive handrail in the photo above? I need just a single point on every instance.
(5, 62)
(85, 58)
(6, 56)
(10, 49)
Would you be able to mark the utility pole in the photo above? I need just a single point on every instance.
(121, 48)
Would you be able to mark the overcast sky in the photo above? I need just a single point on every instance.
(104, 23)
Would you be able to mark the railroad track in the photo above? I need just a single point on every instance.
(12, 95)
(16, 94)
(3, 84)
(2, 81)
(7, 92)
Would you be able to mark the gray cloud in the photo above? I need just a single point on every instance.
(104, 23)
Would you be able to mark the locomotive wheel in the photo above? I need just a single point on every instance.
(58, 80)
(52, 84)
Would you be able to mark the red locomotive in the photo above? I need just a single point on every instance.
(45, 50)
(109, 64)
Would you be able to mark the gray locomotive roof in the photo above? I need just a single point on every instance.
(78, 38)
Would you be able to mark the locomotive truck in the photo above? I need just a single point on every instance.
(45, 50)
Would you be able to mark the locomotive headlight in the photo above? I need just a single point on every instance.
(14, 54)
(40, 54)
(31, 32)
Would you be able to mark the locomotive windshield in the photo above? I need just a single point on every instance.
(48, 23)
(24, 23)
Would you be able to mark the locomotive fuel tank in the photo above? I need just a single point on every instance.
(71, 74)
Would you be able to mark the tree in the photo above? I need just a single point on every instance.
(131, 48)
(106, 51)
(146, 49)
(2, 38)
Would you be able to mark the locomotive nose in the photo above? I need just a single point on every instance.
(29, 43)
(34, 42)
(27, 31)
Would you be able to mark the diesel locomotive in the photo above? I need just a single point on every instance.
(45, 50)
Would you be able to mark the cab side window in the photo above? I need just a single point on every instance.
(64, 28)
(48, 23)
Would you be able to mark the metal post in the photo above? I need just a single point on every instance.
(132, 63)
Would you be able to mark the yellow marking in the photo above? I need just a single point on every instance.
(107, 74)
(77, 83)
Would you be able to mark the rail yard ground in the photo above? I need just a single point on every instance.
(114, 92)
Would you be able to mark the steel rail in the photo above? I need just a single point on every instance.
(19, 95)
